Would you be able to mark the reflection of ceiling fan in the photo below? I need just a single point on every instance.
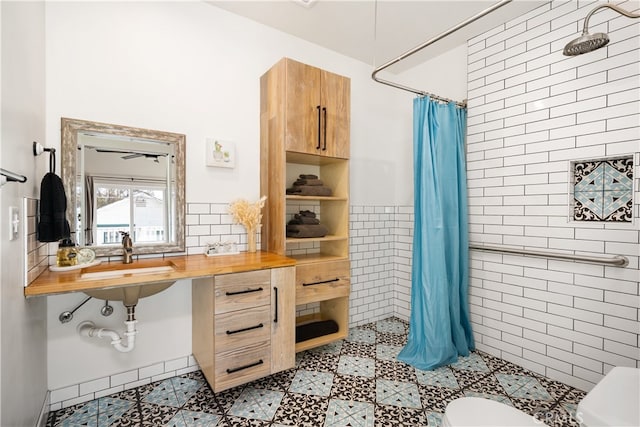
(147, 156)
(132, 155)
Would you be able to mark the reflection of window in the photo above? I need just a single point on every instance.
(603, 190)
(135, 207)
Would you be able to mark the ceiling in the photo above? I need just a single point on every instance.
(378, 31)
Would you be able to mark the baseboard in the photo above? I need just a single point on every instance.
(44, 412)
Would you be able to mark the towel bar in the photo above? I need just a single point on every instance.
(12, 177)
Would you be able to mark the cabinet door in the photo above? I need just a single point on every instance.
(303, 108)
(336, 108)
(283, 337)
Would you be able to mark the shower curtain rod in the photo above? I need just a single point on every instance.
(416, 49)
(614, 260)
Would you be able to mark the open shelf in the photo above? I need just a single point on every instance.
(316, 198)
(327, 238)
(316, 342)
(342, 333)
(317, 257)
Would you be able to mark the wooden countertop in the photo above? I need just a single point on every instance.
(184, 267)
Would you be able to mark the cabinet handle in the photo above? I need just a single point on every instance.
(275, 319)
(324, 147)
(231, 371)
(248, 291)
(322, 282)
(319, 127)
(237, 331)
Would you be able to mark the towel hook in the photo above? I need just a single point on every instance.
(39, 149)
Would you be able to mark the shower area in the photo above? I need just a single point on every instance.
(562, 299)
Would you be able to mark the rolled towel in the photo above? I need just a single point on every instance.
(308, 176)
(310, 190)
(305, 181)
(307, 213)
(304, 231)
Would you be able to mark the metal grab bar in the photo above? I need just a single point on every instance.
(614, 260)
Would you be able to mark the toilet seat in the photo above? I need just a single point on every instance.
(477, 411)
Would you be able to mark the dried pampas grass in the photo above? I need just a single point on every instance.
(246, 213)
(249, 215)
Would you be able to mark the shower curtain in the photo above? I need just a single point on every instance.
(439, 327)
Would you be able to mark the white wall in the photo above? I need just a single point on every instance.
(23, 349)
(533, 110)
(191, 68)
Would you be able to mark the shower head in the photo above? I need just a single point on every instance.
(585, 43)
(590, 42)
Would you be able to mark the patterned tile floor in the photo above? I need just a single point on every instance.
(355, 382)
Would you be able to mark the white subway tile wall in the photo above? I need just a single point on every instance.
(371, 250)
(99, 387)
(532, 111)
(35, 260)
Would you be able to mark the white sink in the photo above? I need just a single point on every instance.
(111, 274)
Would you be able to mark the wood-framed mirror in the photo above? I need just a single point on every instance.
(124, 179)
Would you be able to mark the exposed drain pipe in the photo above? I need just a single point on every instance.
(89, 329)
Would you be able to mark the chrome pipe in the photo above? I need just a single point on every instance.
(613, 260)
(427, 43)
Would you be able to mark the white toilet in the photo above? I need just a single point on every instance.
(612, 402)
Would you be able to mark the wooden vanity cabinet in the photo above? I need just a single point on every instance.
(316, 109)
(292, 141)
(243, 325)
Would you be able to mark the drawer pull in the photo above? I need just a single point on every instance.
(231, 371)
(322, 282)
(248, 291)
(237, 331)
(275, 319)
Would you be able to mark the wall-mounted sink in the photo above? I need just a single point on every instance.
(129, 295)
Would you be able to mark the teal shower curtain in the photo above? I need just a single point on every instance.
(439, 327)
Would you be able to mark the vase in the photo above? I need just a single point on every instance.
(251, 240)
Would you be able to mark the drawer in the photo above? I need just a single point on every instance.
(241, 366)
(238, 329)
(238, 291)
(322, 281)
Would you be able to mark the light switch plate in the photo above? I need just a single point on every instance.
(14, 222)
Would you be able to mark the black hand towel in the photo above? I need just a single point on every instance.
(306, 231)
(53, 224)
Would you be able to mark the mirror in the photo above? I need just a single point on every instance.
(124, 179)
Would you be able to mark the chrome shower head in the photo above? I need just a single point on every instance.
(590, 42)
(585, 43)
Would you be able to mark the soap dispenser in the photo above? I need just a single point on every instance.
(67, 254)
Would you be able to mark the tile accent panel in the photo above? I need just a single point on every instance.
(531, 112)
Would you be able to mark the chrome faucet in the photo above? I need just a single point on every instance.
(127, 248)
